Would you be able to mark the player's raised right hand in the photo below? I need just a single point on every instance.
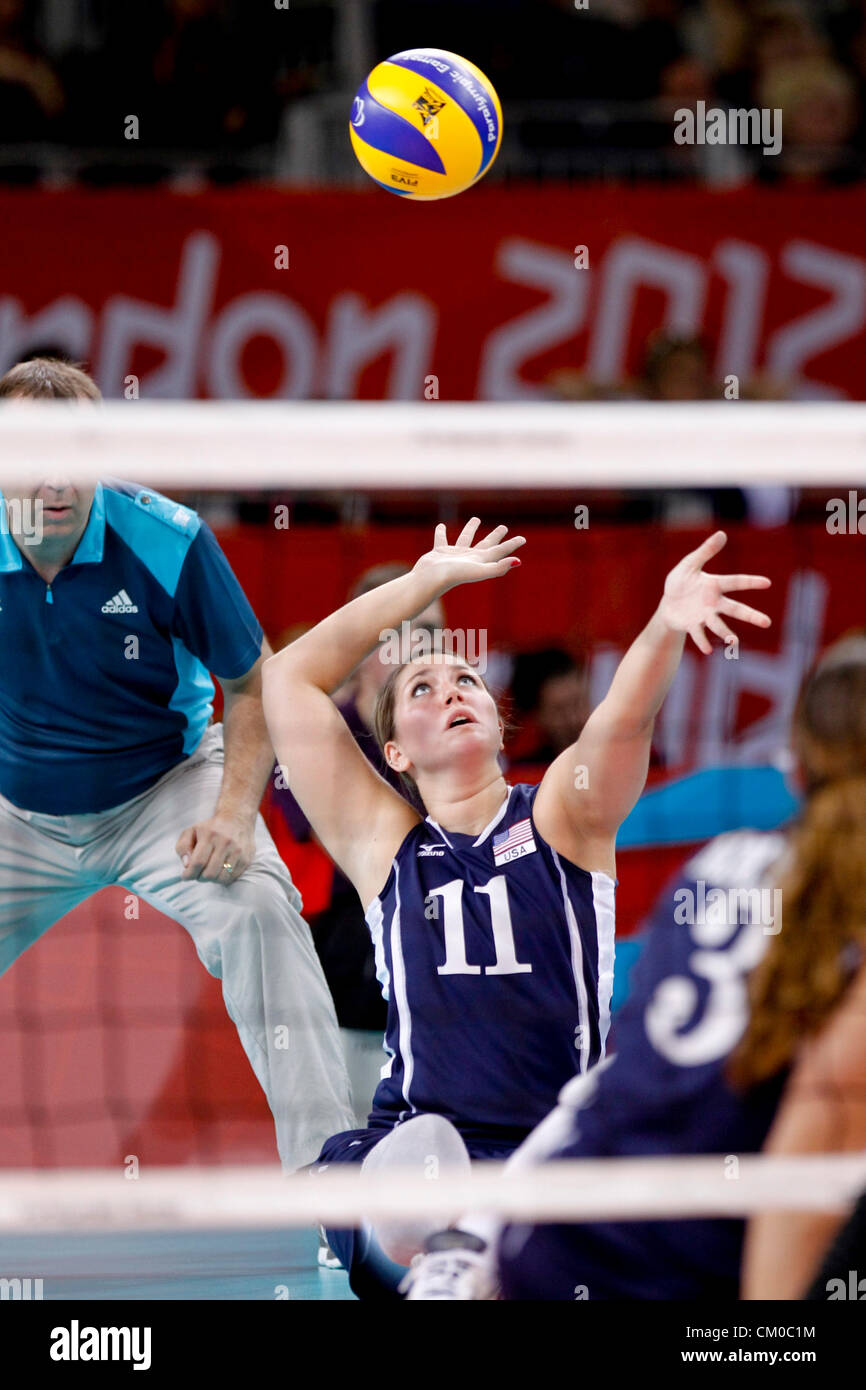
(465, 562)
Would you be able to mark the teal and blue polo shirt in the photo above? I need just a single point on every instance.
(104, 673)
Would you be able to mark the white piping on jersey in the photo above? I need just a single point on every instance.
(375, 924)
(491, 825)
(496, 819)
(401, 999)
(436, 826)
(576, 965)
(603, 902)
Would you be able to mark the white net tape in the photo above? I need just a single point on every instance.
(581, 1190)
(327, 445)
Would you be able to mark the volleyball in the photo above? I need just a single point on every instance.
(426, 124)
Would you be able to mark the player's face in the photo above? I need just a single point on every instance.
(444, 714)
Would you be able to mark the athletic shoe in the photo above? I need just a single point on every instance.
(456, 1266)
(327, 1258)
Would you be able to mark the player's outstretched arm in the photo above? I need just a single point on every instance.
(359, 818)
(589, 790)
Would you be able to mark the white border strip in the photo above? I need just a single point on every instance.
(309, 445)
(588, 1189)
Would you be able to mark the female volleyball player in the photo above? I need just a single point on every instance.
(741, 1023)
(809, 993)
(493, 918)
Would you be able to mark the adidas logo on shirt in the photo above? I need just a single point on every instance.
(121, 603)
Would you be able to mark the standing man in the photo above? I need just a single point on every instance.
(113, 611)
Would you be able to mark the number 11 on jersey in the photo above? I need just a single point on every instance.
(456, 963)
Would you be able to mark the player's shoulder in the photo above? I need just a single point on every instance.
(145, 508)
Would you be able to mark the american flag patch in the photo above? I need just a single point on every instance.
(513, 843)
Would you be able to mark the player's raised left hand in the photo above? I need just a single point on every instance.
(694, 600)
(218, 849)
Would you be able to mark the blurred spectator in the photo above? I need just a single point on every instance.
(210, 85)
(820, 110)
(676, 369)
(31, 94)
(741, 41)
(550, 688)
(226, 87)
(205, 78)
(684, 83)
(847, 29)
(784, 33)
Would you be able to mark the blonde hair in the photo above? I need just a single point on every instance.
(789, 84)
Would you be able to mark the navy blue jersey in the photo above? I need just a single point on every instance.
(496, 957)
(105, 684)
(665, 1090)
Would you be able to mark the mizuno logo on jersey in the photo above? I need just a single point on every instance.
(514, 843)
(121, 603)
(430, 851)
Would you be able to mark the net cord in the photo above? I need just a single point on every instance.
(660, 1188)
(316, 445)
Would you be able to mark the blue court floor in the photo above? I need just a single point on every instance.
(176, 1265)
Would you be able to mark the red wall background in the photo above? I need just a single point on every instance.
(184, 291)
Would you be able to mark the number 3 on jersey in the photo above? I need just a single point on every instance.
(455, 937)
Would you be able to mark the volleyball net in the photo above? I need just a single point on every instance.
(115, 1042)
(426, 446)
(255, 1196)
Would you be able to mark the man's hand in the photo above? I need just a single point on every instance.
(218, 849)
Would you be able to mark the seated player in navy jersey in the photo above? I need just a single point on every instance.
(745, 1028)
(493, 918)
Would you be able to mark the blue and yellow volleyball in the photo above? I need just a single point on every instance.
(426, 124)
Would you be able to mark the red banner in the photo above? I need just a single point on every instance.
(258, 292)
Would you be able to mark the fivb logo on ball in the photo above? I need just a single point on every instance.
(426, 124)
